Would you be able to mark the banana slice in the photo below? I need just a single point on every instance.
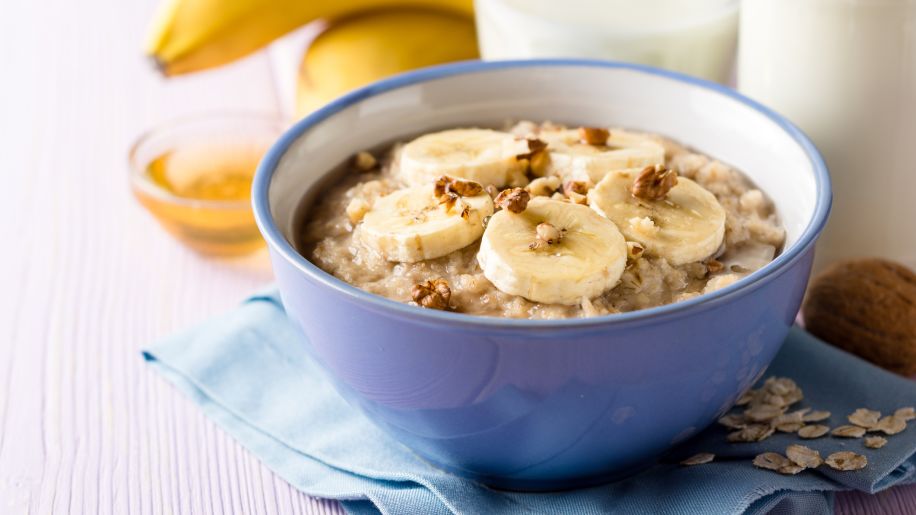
(622, 150)
(412, 224)
(576, 253)
(685, 226)
(484, 156)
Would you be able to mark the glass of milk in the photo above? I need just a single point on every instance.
(697, 37)
(845, 72)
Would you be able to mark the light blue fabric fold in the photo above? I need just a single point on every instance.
(249, 371)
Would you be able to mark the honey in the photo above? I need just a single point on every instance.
(201, 193)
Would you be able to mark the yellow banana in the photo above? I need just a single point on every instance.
(191, 35)
(363, 48)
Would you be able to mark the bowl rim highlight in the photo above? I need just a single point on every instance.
(277, 241)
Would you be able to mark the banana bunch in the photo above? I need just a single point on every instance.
(365, 47)
(192, 35)
(554, 249)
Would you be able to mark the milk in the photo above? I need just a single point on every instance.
(845, 72)
(697, 37)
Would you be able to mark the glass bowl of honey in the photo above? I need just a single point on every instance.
(194, 175)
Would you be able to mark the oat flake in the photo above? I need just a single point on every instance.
(789, 427)
(813, 431)
(848, 432)
(863, 417)
(816, 416)
(846, 460)
(906, 414)
(699, 459)
(804, 456)
(889, 425)
(733, 421)
(763, 413)
(751, 433)
(875, 442)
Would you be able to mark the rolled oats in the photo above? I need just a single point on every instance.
(804, 456)
(863, 417)
(763, 412)
(846, 460)
(699, 459)
(789, 427)
(875, 442)
(815, 416)
(733, 421)
(777, 462)
(813, 431)
(905, 414)
(848, 432)
(751, 433)
(889, 425)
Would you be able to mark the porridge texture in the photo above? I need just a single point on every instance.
(567, 222)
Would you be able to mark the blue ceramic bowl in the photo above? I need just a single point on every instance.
(529, 404)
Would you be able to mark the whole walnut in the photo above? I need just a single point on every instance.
(867, 307)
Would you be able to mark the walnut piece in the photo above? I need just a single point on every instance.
(537, 157)
(547, 235)
(449, 190)
(714, 266)
(580, 187)
(513, 199)
(594, 136)
(462, 188)
(653, 183)
(434, 294)
(634, 250)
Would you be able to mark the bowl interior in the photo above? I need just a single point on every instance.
(702, 115)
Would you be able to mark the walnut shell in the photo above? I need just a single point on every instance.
(866, 307)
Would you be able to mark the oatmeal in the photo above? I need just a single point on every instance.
(540, 221)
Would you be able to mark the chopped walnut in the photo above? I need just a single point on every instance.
(364, 161)
(462, 188)
(539, 163)
(577, 198)
(448, 200)
(535, 145)
(594, 135)
(466, 212)
(537, 157)
(449, 190)
(653, 183)
(434, 294)
(580, 187)
(546, 234)
(513, 199)
(714, 266)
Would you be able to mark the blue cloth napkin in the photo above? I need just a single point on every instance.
(249, 372)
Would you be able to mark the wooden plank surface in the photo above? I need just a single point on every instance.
(89, 279)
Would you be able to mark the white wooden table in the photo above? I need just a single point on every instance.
(89, 279)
